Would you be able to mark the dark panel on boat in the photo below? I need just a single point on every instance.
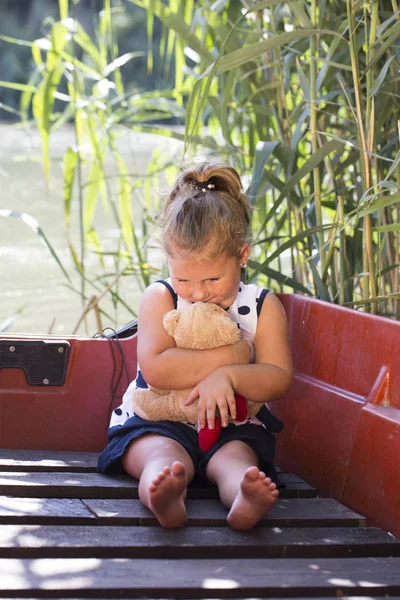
(43, 362)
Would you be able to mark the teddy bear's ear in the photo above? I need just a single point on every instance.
(170, 321)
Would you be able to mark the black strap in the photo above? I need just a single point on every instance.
(171, 291)
(261, 301)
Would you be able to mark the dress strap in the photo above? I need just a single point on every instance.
(173, 293)
(261, 301)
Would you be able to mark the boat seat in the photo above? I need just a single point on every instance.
(67, 531)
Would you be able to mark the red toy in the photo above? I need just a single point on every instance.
(209, 437)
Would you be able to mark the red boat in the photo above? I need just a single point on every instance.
(342, 417)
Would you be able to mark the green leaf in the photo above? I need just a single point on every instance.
(120, 61)
(314, 160)
(372, 300)
(94, 241)
(12, 40)
(298, 10)
(22, 87)
(70, 163)
(322, 291)
(58, 41)
(177, 23)
(292, 242)
(239, 57)
(304, 83)
(261, 157)
(95, 179)
(381, 28)
(207, 141)
(42, 105)
(86, 43)
(63, 7)
(218, 6)
(9, 109)
(380, 203)
(277, 276)
(37, 54)
(383, 47)
(388, 228)
(381, 77)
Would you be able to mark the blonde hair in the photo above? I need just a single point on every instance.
(208, 220)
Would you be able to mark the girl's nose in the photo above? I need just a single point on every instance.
(199, 293)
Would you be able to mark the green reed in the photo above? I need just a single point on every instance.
(303, 99)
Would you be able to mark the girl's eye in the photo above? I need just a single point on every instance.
(214, 279)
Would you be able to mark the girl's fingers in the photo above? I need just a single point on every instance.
(202, 414)
(232, 405)
(206, 412)
(223, 411)
(211, 417)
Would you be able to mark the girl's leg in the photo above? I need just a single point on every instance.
(164, 469)
(243, 488)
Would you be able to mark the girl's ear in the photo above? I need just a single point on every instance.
(244, 254)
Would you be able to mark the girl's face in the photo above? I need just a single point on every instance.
(216, 280)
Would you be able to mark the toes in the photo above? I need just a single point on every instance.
(269, 483)
(177, 469)
(252, 474)
(160, 477)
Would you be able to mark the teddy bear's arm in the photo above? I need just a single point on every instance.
(253, 407)
(149, 405)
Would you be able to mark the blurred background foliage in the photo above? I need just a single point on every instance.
(31, 19)
(301, 97)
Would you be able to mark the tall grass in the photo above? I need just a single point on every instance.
(302, 97)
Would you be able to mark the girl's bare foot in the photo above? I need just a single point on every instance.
(255, 498)
(167, 494)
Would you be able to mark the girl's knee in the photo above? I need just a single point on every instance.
(235, 450)
(157, 450)
(234, 457)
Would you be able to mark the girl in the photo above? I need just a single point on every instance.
(205, 223)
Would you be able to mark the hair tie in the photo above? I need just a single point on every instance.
(205, 185)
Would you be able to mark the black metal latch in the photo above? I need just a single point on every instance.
(44, 362)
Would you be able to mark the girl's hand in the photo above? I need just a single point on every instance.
(214, 391)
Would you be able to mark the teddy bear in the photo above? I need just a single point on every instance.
(197, 326)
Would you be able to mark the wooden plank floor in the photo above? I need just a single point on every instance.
(68, 532)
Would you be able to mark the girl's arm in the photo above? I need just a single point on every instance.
(271, 375)
(267, 379)
(162, 364)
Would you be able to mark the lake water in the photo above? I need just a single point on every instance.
(30, 279)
